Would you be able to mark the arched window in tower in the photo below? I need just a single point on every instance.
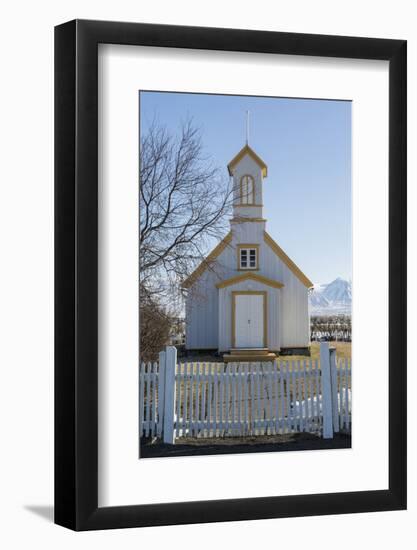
(247, 190)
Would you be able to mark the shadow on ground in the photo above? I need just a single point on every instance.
(233, 445)
(45, 512)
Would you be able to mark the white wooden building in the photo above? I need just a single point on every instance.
(247, 298)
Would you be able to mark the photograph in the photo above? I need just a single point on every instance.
(245, 274)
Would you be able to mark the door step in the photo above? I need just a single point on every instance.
(248, 357)
(248, 351)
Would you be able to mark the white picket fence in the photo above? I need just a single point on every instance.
(244, 399)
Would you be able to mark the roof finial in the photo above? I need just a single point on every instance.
(247, 127)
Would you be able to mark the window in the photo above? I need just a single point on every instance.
(248, 257)
(247, 190)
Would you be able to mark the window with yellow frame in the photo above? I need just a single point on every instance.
(248, 257)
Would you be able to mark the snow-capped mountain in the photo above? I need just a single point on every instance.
(331, 298)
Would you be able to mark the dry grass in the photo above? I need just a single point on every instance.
(343, 351)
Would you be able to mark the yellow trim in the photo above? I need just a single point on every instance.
(239, 247)
(244, 219)
(250, 275)
(265, 306)
(207, 261)
(253, 190)
(287, 261)
(247, 150)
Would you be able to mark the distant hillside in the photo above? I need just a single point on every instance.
(332, 298)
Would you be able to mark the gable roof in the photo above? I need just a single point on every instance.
(246, 276)
(287, 261)
(246, 150)
(207, 261)
(205, 264)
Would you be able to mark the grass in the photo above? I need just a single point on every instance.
(343, 351)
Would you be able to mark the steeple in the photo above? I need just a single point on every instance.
(247, 170)
(247, 127)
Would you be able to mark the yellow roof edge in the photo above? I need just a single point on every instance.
(245, 276)
(247, 150)
(287, 261)
(217, 250)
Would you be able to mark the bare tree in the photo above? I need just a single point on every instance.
(155, 328)
(183, 204)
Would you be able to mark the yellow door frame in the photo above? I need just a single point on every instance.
(263, 293)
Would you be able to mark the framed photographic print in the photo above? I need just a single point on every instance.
(230, 275)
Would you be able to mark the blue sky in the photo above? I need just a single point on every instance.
(306, 145)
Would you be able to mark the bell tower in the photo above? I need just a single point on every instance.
(247, 172)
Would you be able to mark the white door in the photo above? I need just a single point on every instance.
(249, 321)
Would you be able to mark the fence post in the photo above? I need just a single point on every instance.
(335, 398)
(169, 394)
(161, 393)
(326, 391)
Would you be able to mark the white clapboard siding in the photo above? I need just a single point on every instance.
(242, 399)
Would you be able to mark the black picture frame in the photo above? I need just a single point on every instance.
(76, 271)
